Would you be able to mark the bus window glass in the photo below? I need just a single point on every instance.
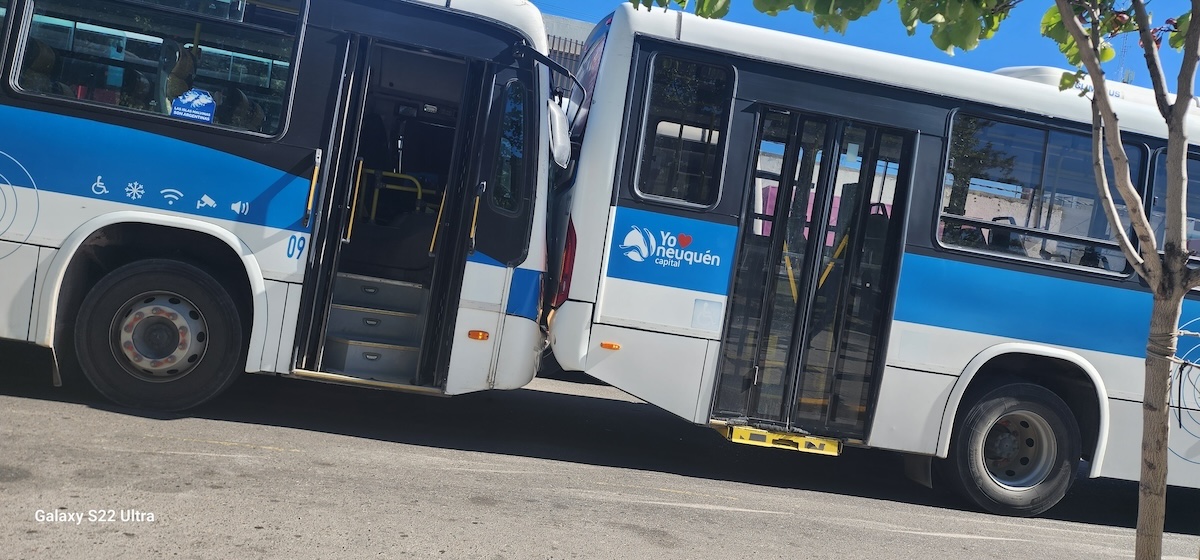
(1027, 192)
(510, 177)
(688, 112)
(191, 68)
(1158, 206)
(589, 71)
(3, 11)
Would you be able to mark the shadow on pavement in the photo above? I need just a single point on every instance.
(563, 427)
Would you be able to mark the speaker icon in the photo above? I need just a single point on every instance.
(239, 207)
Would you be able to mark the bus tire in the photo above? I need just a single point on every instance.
(1015, 451)
(159, 334)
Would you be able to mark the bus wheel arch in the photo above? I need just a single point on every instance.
(1042, 376)
(109, 242)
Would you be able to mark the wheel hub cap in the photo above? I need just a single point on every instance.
(1019, 450)
(161, 335)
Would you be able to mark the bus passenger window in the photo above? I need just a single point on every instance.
(1158, 211)
(1027, 192)
(682, 143)
(190, 67)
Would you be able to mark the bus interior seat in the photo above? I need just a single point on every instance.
(418, 151)
(1006, 241)
(875, 232)
(37, 69)
(1094, 258)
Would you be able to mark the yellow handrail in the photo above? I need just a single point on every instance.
(787, 261)
(312, 187)
(438, 223)
(837, 253)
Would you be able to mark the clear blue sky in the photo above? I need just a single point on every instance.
(1018, 43)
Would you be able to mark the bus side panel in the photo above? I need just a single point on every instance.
(666, 273)
(16, 288)
(520, 348)
(1125, 433)
(287, 331)
(133, 169)
(45, 258)
(471, 360)
(663, 369)
(908, 415)
(276, 297)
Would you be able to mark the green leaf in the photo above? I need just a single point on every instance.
(1071, 50)
(1182, 24)
(942, 40)
(833, 22)
(1052, 26)
(1106, 52)
(1069, 80)
(964, 34)
(908, 16)
(712, 8)
(928, 10)
(772, 7)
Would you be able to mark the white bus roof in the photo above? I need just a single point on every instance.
(1030, 89)
(521, 15)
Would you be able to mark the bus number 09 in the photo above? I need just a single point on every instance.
(295, 248)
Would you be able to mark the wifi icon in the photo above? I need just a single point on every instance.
(171, 195)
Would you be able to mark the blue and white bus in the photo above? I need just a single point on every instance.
(809, 246)
(349, 192)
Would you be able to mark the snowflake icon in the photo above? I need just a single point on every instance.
(135, 190)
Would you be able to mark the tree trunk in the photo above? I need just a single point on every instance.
(1152, 491)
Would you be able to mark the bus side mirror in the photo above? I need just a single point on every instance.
(560, 135)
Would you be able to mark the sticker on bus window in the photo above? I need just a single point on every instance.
(194, 105)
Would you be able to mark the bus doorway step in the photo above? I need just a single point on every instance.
(781, 440)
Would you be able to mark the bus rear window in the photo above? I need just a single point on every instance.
(589, 71)
(683, 140)
(203, 67)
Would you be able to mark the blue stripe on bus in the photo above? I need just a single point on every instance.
(480, 258)
(103, 161)
(1028, 306)
(523, 293)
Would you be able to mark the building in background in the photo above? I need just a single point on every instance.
(566, 43)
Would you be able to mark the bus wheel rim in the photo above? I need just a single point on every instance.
(1019, 450)
(159, 336)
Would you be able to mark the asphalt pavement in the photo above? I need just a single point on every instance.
(279, 468)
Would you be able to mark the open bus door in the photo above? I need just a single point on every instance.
(426, 214)
(816, 275)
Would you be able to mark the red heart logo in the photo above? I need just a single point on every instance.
(685, 240)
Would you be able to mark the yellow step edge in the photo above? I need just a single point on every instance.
(781, 440)
(341, 379)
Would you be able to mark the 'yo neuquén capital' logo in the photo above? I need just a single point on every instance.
(639, 244)
(667, 249)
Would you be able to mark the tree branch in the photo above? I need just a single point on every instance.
(1187, 67)
(1145, 258)
(1150, 51)
(1110, 207)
